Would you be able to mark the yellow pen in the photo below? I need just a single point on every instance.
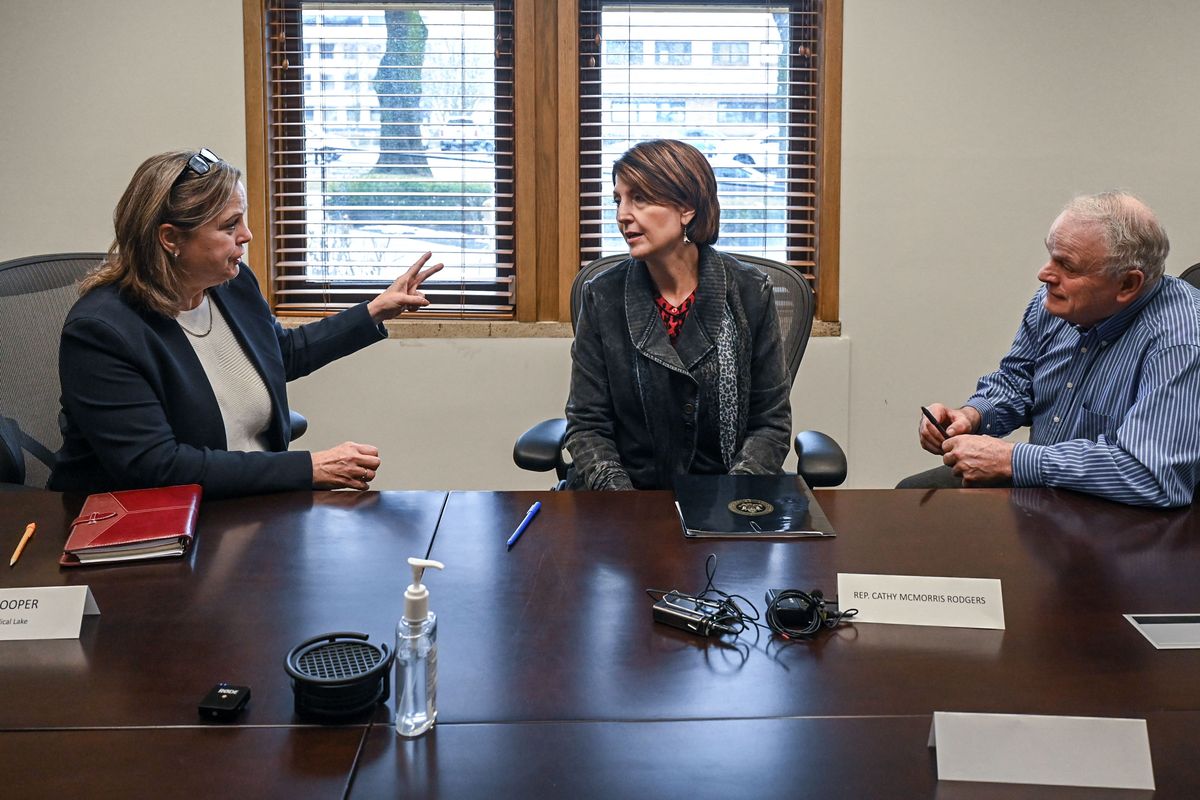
(29, 529)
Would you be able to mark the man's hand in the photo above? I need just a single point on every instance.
(957, 421)
(404, 294)
(979, 460)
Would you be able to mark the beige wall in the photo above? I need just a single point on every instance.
(967, 123)
(88, 89)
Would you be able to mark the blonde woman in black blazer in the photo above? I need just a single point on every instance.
(141, 405)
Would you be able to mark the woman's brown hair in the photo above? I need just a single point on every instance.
(672, 173)
(163, 189)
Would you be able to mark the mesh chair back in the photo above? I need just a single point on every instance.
(1192, 275)
(793, 300)
(583, 276)
(35, 295)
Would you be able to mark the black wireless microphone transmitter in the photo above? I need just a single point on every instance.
(689, 614)
(224, 702)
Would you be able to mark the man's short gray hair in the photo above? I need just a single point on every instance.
(1135, 239)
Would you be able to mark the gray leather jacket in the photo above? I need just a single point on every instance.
(642, 411)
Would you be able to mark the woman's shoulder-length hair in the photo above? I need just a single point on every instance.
(674, 173)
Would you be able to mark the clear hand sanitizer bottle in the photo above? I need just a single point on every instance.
(416, 656)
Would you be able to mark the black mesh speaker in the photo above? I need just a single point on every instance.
(339, 675)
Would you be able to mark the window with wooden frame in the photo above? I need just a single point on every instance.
(498, 156)
(754, 86)
(389, 132)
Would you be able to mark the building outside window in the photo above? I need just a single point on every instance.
(673, 53)
(749, 112)
(623, 51)
(731, 54)
(670, 111)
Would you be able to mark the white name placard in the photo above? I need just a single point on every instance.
(45, 612)
(1168, 631)
(1052, 751)
(918, 600)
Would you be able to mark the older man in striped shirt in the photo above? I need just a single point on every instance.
(1105, 369)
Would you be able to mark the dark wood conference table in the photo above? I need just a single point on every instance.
(265, 574)
(563, 624)
(554, 680)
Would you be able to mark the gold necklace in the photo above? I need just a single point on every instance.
(210, 323)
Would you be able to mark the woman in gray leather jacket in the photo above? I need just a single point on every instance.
(677, 364)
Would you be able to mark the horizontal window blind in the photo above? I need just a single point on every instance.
(738, 80)
(389, 135)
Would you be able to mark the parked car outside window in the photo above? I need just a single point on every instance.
(463, 133)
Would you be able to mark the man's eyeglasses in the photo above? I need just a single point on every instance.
(200, 163)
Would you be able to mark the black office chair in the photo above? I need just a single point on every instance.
(821, 460)
(12, 463)
(36, 293)
(1192, 275)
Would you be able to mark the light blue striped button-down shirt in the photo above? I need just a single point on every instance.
(1114, 410)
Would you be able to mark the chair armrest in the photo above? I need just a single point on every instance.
(299, 424)
(12, 460)
(539, 449)
(821, 460)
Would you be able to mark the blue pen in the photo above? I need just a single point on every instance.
(529, 515)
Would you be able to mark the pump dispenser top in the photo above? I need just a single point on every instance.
(416, 596)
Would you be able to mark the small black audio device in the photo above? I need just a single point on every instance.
(224, 702)
(709, 613)
(339, 675)
(692, 614)
(794, 614)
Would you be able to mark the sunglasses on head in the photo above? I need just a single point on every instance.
(200, 163)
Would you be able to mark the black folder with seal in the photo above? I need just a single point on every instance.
(741, 506)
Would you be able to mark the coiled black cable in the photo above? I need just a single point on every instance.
(726, 613)
(816, 611)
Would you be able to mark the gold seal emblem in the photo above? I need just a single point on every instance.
(750, 507)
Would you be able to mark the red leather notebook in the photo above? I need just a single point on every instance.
(133, 524)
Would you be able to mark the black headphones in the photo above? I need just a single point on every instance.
(339, 675)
